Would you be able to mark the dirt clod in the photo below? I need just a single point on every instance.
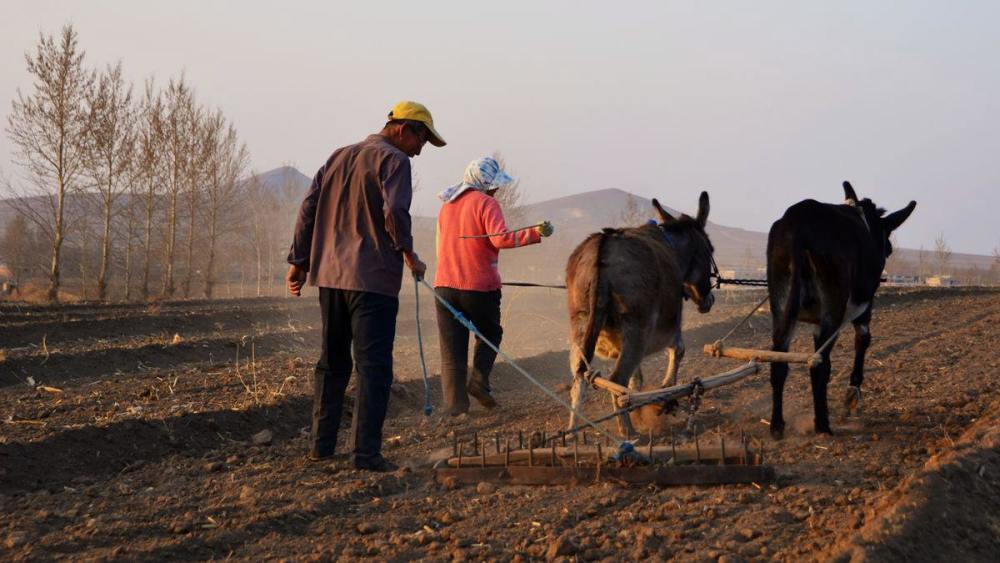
(563, 545)
(15, 540)
(486, 488)
(262, 438)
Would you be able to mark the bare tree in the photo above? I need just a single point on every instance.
(942, 254)
(258, 232)
(510, 197)
(198, 153)
(894, 262)
(19, 248)
(147, 171)
(227, 159)
(995, 265)
(922, 263)
(109, 150)
(47, 128)
(631, 215)
(178, 100)
(131, 210)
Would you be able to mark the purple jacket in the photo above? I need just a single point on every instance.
(354, 223)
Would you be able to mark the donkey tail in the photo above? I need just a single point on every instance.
(599, 297)
(786, 259)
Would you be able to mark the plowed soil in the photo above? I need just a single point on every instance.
(128, 433)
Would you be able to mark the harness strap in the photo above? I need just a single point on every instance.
(472, 328)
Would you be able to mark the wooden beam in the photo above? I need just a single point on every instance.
(659, 475)
(588, 455)
(684, 390)
(718, 351)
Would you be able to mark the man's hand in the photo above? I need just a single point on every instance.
(415, 265)
(295, 279)
(545, 229)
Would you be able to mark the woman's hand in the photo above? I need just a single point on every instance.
(545, 229)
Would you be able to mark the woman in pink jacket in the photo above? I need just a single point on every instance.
(467, 277)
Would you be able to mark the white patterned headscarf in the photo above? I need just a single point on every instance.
(483, 174)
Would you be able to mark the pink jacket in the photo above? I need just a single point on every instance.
(471, 263)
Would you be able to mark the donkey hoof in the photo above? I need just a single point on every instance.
(777, 430)
(824, 429)
(853, 400)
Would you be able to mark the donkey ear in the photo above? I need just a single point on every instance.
(894, 220)
(664, 216)
(849, 194)
(703, 208)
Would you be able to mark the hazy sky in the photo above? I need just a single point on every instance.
(760, 103)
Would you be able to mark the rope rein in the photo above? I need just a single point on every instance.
(624, 446)
(428, 408)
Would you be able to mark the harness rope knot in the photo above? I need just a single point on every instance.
(590, 376)
(697, 389)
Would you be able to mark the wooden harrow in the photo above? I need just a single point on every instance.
(570, 458)
(569, 462)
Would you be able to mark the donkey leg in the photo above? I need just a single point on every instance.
(862, 339)
(629, 359)
(635, 382)
(819, 376)
(675, 353)
(579, 390)
(781, 338)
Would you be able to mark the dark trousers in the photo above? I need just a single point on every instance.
(483, 309)
(368, 322)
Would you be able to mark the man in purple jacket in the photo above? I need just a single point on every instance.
(352, 237)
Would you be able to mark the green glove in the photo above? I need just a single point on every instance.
(545, 229)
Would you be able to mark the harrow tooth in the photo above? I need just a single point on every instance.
(497, 439)
(697, 446)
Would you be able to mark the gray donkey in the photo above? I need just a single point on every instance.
(626, 288)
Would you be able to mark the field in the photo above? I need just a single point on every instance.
(177, 430)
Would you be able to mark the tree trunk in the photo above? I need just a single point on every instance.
(83, 263)
(210, 267)
(147, 245)
(260, 270)
(192, 208)
(129, 237)
(168, 273)
(102, 276)
(57, 239)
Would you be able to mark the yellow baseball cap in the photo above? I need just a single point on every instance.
(417, 112)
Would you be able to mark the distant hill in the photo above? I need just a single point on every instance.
(575, 217)
(285, 181)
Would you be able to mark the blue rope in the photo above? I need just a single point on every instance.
(625, 448)
(428, 409)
